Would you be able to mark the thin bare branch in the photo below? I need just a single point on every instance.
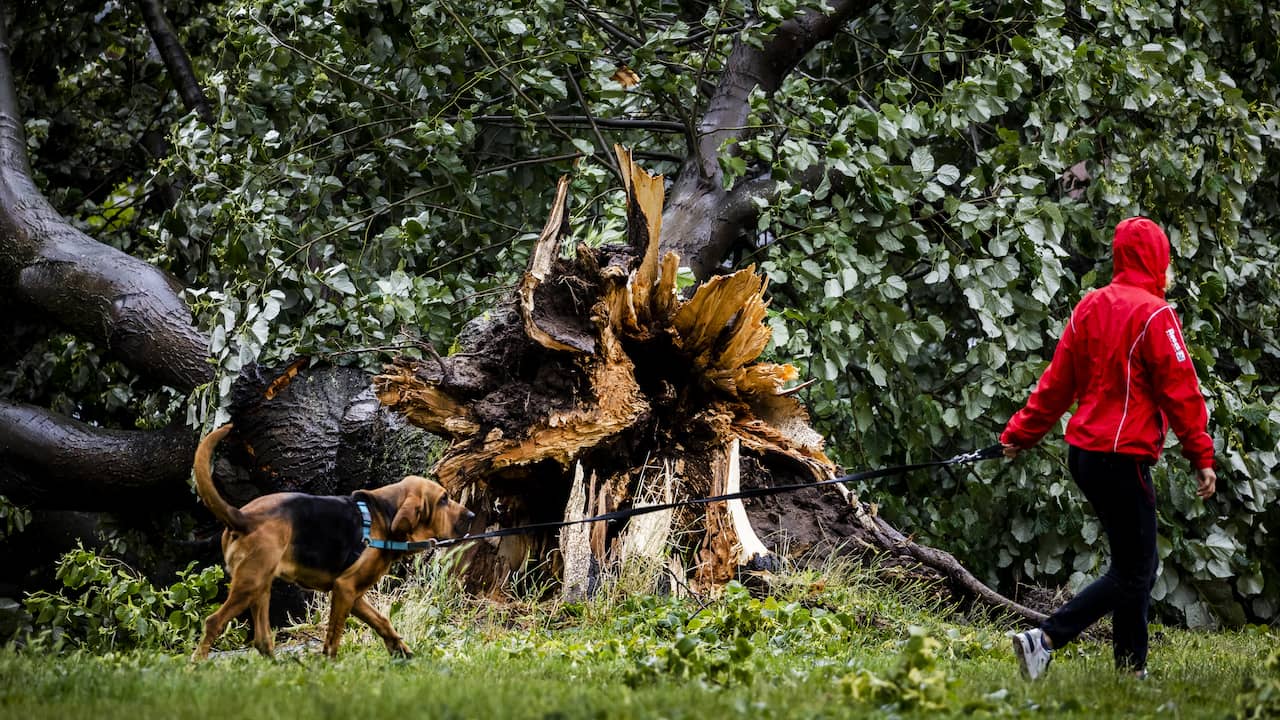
(530, 161)
(613, 30)
(604, 148)
(175, 59)
(668, 126)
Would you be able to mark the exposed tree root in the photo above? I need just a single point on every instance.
(598, 375)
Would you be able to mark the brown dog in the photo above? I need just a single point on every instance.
(317, 542)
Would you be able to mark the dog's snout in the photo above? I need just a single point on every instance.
(463, 524)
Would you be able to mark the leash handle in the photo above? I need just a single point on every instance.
(991, 452)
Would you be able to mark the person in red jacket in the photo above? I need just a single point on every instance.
(1124, 364)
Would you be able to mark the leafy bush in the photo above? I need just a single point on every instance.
(917, 683)
(718, 643)
(106, 605)
(727, 643)
(722, 643)
(974, 186)
(1261, 696)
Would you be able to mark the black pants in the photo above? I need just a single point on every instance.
(1120, 491)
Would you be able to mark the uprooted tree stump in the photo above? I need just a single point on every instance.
(597, 387)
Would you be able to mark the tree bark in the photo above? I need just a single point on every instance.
(318, 430)
(322, 432)
(703, 219)
(50, 461)
(175, 59)
(130, 307)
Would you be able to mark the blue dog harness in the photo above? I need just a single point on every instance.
(366, 522)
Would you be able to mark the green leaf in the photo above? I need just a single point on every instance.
(686, 645)
(893, 287)
(342, 284)
(922, 160)
(1251, 584)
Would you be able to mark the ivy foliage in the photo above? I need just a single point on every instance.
(980, 171)
(377, 172)
(106, 605)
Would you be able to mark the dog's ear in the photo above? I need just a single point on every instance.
(408, 516)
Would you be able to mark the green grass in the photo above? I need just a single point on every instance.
(612, 658)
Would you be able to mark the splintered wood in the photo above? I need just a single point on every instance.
(731, 543)
(608, 369)
(581, 570)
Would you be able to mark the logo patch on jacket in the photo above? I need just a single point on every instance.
(1177, 349)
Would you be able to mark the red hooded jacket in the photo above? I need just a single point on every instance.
(1122, 358)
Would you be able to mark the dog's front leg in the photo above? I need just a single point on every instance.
(381, 625)
(341, 600)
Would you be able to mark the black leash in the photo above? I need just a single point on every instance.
(986, 453)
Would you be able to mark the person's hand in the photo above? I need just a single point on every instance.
(1011, 451)
(1206, 482)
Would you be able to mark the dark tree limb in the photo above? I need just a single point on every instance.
(749, 67)
(694, 223)
(666, 126)
(175, 59)
(318, 430)
(946, 564)
(50, 461)
(741, 205)
(129, 306)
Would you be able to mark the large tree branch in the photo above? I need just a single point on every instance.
(128, 305)
(50, 461)
(693, 223)
(318, 430)
(175, 59)
(749, 67)
(946, 564)
(734, 211)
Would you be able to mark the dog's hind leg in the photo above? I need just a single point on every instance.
(252, 566)
(238, 599)
(381, 625)
(263, 638)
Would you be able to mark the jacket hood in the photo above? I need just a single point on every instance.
(1141, 255)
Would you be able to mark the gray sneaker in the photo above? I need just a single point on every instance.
(1033, 656)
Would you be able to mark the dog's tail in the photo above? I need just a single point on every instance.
(225, 511)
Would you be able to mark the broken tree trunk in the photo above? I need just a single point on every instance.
(595, 373)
